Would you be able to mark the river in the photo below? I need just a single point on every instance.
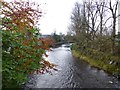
(72, 73)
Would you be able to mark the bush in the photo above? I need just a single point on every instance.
(21, 49)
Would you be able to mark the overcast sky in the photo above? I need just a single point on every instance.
(57, 17)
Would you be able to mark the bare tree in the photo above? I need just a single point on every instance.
(89, 23)
(92, 17)
(113, 10)
(101, 10)
(76, 19)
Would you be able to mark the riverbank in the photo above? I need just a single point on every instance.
(107, 66)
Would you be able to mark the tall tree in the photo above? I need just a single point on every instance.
(113, 10)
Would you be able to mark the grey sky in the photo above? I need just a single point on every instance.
(57, 17)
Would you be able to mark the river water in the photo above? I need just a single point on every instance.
(72, 73)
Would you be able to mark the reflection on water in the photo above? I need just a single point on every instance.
(72, 73)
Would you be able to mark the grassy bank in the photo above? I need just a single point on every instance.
(101, 64)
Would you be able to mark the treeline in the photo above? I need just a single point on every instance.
(93, 29)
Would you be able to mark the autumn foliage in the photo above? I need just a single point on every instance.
(22, 49)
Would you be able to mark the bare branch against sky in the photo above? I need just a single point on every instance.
(119, 17)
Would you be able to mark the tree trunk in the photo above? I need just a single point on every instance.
(101, 22)
(113, 35)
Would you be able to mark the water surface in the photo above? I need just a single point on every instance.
(72, 73)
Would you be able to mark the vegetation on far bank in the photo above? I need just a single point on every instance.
(95, 41)
(107, 62)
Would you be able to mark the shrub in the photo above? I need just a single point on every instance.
(21, 49)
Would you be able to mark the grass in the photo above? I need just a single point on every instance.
(109, 68)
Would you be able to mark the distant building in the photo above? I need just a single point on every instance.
(44, 36)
